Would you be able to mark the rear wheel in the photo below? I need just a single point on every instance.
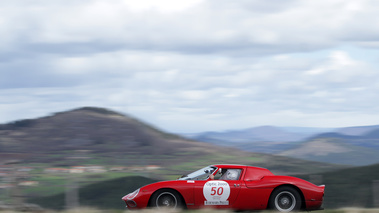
(168, 199)
(285, 199)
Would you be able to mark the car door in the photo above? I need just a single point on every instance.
(217, 193)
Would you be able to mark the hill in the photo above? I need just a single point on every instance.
(97, 136)
(350, 146)
(339, 148)
(255, 134)
(262, 139)
(94, 133)
(357, 130)
(85, 128)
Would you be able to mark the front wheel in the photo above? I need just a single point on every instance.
(285, 199)
(168, 199)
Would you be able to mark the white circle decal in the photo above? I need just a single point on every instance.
(216, 193)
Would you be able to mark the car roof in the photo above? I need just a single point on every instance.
(252, 172)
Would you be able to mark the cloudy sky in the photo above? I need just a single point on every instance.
(193, 65)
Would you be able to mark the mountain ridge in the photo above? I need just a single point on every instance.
(363, 143)
(94, 129)
(88, 136)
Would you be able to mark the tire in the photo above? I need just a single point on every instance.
(285, 199)
(166, 199)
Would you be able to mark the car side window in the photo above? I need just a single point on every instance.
(230, 174)
(218, 175)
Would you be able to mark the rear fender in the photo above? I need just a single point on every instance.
(303, 205)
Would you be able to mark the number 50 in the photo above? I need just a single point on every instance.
(217, 191)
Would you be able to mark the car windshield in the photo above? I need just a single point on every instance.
(201, 174)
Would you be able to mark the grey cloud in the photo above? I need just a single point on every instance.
(256, 6)
(211, 28)
(244, 62)
(189, 32)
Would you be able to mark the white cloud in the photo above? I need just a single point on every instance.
(162, 5)
(221, 64)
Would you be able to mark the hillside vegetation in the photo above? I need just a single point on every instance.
(97, 136)
(102, 195)
(352, 187)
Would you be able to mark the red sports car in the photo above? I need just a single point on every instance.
(235, 187)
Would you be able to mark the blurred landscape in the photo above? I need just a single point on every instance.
(93, 156)
(98, 98)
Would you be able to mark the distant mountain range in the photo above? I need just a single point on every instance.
(259, 134)
(100, 136)
(339, 148)
(351, 145)
(90, 134)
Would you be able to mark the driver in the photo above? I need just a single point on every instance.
(212, 177)
(221, 171)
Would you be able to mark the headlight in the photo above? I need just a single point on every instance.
(133, 194)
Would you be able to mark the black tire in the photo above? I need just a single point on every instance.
(166, 199)
(285, 199)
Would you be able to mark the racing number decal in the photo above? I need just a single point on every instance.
(216, 193)
(219, 191)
